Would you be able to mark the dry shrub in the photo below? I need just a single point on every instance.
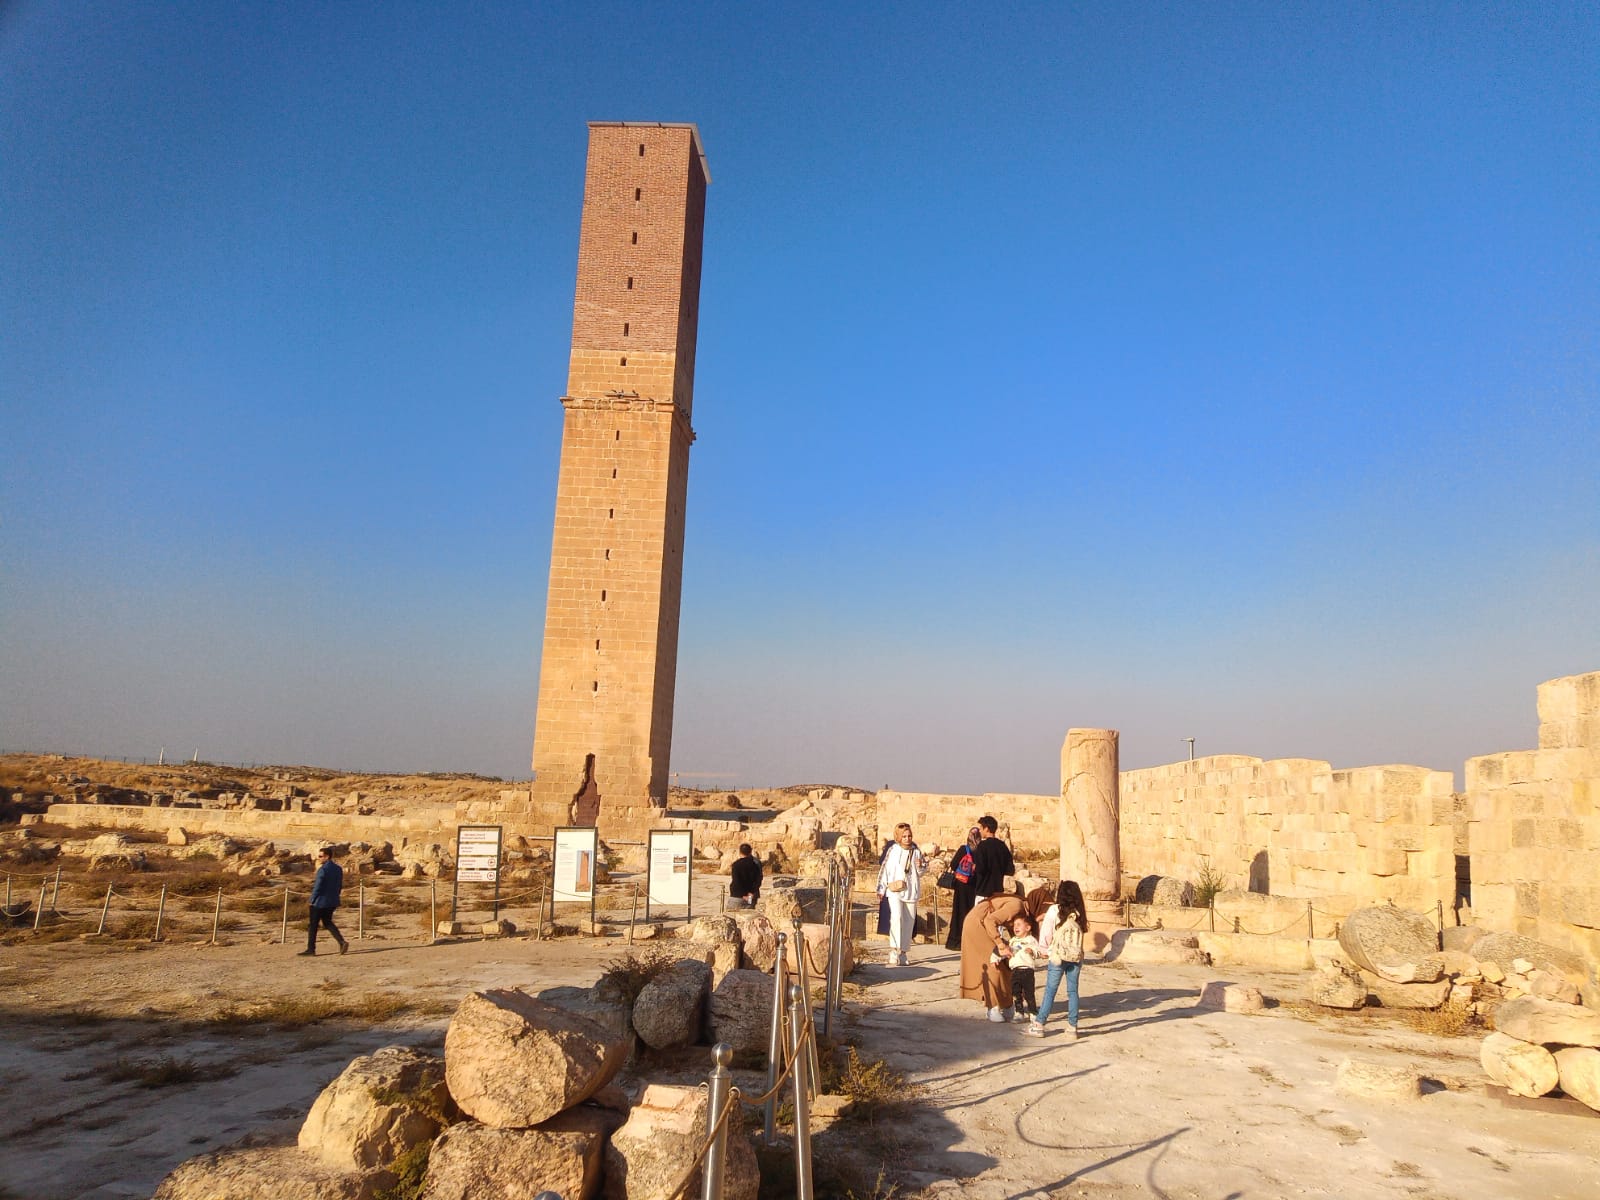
(294, 1012)
(873, 1087)
(165, 1071)
(630, 974)
(1448, 1021)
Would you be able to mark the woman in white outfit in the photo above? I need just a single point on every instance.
(900, 884)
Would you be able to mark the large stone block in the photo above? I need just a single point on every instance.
(651, 1155)
(281, 1172)
(670, 1009)
(1522, 1068)
(1548, 1022)
(512, 1061)
(564, 1155)
(1393, 944)
(379, 1107)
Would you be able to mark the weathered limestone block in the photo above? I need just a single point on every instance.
(1405, 995)
(1579, 1067)
(1164, 890)
(564, 1155)
(1231, 997)
(758, 940)
(512, 1061)
(379, 1107)
(785, 898)
(1338, 986)
(1393, 943)
(670, 1009)
(1503, 949)
(1520, 1067)
(1370, 1081)
(176, 836)
(282, 1172)
(1156, 946)
(1548, 1022)
(650, 1155)
(113, 852)
(1549, 986)
(816, 939)
(741, 1012)
(711, 930)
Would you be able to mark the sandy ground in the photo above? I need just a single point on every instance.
(1156, 1099)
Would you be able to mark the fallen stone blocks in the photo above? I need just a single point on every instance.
(1539, 1045)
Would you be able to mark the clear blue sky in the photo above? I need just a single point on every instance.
(1217, 371)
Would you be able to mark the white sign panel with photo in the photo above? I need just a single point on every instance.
(669, 867)
(577, 859)
(478, 854)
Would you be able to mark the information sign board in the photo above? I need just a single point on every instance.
(669, 867)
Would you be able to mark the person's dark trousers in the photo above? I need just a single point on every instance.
(1022, 990)
(322, 916)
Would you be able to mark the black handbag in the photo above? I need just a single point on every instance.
(946, 880)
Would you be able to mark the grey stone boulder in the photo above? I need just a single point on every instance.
(1503, 950)
(670, 1010)
(379, 1107)
(1548, 1022)
(758, 940)
(650, 1155)
(786, 898)
(1338, 986)
(1165, 890)
(1405, 995)
(1521, 1067)
(565, 1155)
(741, 1012)
(1220, 996)
(1393, 943)
(279, 1172)
(512, 1061)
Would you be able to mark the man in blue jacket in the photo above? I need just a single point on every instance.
(324, 899)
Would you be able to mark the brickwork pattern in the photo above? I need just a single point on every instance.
(1029, 822)
(609, 660)
(1535, 825)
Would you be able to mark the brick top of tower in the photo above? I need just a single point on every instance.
(694, 132)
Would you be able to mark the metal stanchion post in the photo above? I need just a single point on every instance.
(1311, 923)
(716, 1152)
(8, 893)
(283, 930)
(216, 918)
(104, 910)
(55, 896)
(361, 912)
(776, 1039)
(161, 911)
(803, 973)
(39, 916)
(827, 971)
(633, 918)
(433, 910)
(1441, 923)
(1213, 908)
(798, 1003)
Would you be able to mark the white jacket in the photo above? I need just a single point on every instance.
(901, 863)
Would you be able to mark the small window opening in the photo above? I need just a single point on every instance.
(638, 193)
(611, 513)
(618, 438)
(635, 237)
(597, 643)
(623, 362)
(608, 554)
(630, 283)
(613, 472)
(596, 686)
(602, 595)
(625, 327)
(641, 149)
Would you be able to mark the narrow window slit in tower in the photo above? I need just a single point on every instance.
(602, 595)
(635, 237)
(618, 438)
(596, 686)
(608, 554)
(630, 283)
(638, 193)
(597, 643)
(610, 513)
(622, 362)
(625, 327)
(613, 472)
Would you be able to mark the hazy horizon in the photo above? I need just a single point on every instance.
(1228, 374)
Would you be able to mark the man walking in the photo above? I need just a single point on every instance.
(324, 899)
(744, 878)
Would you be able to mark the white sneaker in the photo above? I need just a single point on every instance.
(1020, 1017)
(1033, 1029)
(1072, 1033)
(997, 1015)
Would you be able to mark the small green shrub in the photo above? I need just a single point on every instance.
(1208, 883)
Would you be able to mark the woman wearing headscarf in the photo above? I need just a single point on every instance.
(986, 933)
(962, 895)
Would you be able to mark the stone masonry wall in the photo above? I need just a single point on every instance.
(1535, 824)
(945, 819)
(424, 823)
(1295, 827)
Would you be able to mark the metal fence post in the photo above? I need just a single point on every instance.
(801, 953)
(716, 1152)
(361, 912)
(216, 918)
(55, 896)
(798, 1003)
(283, 930)
(633, 917)
(39, 916)
(433, 910)
(1311, 922)
(776, 1039)
(827, 969)
(161, 911)
(104, 910)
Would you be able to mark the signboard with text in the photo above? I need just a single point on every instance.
(669, 867)
(577, 861)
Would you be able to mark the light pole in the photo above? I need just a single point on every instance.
(1191, 748)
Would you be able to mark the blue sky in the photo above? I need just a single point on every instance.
(1217, 371)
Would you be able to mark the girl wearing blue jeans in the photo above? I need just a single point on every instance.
(1061, 933)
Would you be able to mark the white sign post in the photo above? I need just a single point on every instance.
(477, 861)
(577, 862)
(669, 869)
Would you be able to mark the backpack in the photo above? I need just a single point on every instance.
(1066, 943)
(964, 865)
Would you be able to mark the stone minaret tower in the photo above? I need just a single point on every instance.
(604, 729)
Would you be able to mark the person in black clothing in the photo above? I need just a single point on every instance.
(744, 879)
(987, 927)
(992, 860)
(962, 897)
